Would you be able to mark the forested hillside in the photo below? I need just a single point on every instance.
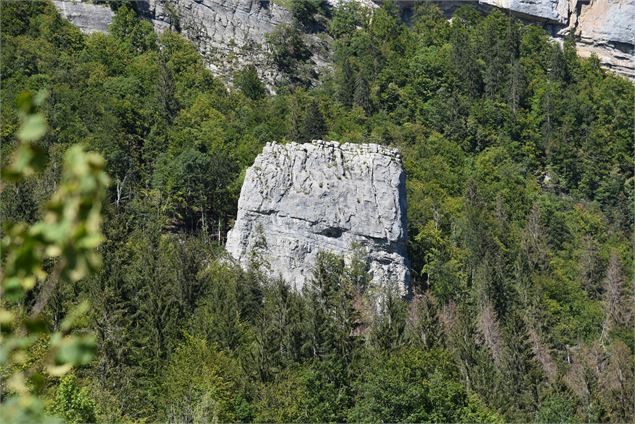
(519, 162)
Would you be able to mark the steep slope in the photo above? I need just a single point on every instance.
(229, 33)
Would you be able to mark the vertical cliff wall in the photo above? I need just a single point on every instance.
(602, 27)
(607, 28)
(231, 33)
(301, 199)
(88, 17)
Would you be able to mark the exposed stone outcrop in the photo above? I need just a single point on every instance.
(88, 17)
(607, 28)
(324, 196)
(548, 10)
(603, 27)
(231, 33)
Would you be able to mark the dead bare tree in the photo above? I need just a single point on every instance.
(489, 328)
(543, 354)
(618, 382)
(613, 297)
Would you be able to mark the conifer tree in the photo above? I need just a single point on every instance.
(361, 94)
(313, 124)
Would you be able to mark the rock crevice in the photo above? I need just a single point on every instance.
(301, 199)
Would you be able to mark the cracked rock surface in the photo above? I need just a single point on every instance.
(602, 27)
(88, 17)
(231, 33)
(301, 199)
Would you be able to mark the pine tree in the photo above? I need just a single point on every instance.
(346, 83)
(388, 331)
(589, 267)
(534, 243)
(361, 95)
(249, 83)
(313, 125)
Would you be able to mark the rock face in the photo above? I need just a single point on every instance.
(324, 196)
(550, 10)
(87, 17)
(603, 27)
(231, 33)
(607, 28)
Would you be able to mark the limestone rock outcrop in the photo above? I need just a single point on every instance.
(88, 17)
(231, 33)
(607, 28)
(300, 199)
(602, 27)
(550, 10)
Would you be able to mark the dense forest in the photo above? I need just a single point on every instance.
(519, 161)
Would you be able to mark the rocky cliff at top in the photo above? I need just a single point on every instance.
(300, 199)
(603, 27)
(231, 33)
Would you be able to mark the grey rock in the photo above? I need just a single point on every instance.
(301, 199)
(231, 33)
(602, 27)
(87, 17)
(548, 10)
(607, 28)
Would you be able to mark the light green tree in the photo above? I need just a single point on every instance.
(60, 248)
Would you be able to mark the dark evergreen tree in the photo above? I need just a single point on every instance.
(247, 81)
(361, 94)
(346, 83)
(313, 124)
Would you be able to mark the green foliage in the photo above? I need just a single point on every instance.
(289, 51)
(284, 400)
(247, 81)
(202, 385)
(346, 19)
(304, 11)
(73, 403)
(414, 386)
(195, 185)
(556, 408)
(388, 331)
(134, 33)
(59, 248)
(313, 126)
(518, 157)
